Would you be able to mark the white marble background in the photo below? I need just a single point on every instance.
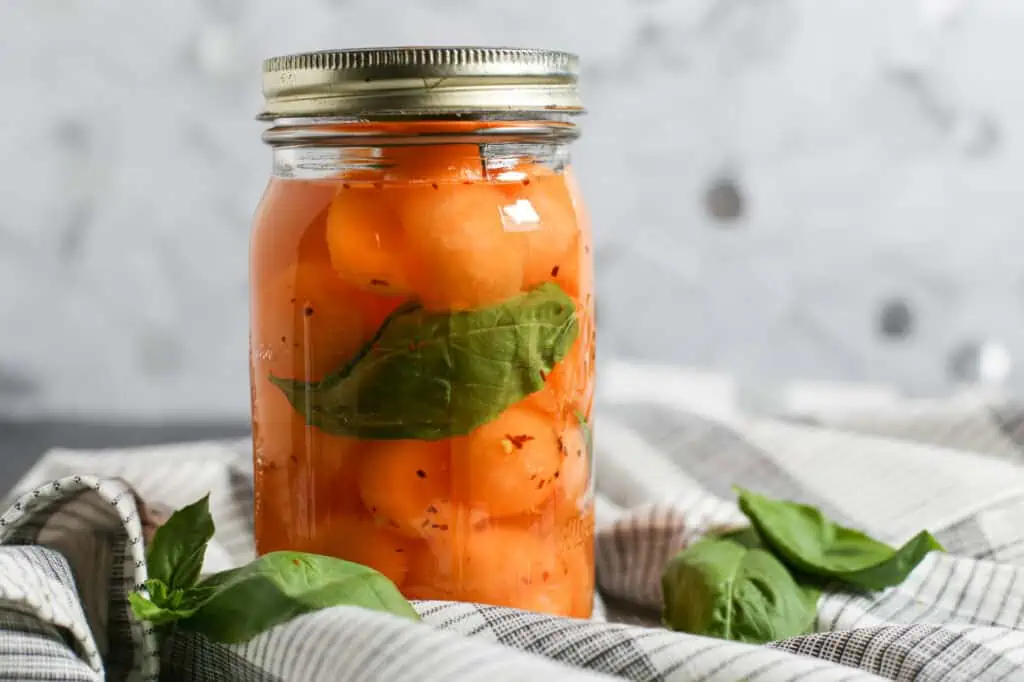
(814, 189)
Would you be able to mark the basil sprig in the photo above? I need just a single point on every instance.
(236, 605)
(762, 583)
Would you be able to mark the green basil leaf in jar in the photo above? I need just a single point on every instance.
(808, 541)
(429, 375)
(721, 588)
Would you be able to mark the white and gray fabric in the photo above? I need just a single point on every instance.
(74, 536)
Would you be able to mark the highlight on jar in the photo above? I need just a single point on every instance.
(423, 364)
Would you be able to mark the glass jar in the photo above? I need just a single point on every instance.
(422, 341)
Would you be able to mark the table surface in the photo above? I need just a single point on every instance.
(22, 443)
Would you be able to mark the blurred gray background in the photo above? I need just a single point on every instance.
(781, 189)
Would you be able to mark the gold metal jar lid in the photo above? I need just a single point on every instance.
(417, 81)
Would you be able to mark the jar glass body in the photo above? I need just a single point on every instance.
(422, 346)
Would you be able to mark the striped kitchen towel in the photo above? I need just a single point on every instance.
(75, 531)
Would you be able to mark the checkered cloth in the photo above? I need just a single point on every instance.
(73, 550)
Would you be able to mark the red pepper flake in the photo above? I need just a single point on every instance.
(557, 474)
(421, 473)
(554, 271)
(434, 185)
(399, 550)
(345, 185)
(443, 526)
(544, 576)
(308, 311)
(378, 185)
(379, 282)
(543, 375)
(540, 485)
(431, 509)
(561, 445)
(412, 346)
(533, 478)
(284, 339)
(373, 509)
(291, 300)
(425, 524)
(294, 459)
(296, 562)
(467, 182)
(520, 440)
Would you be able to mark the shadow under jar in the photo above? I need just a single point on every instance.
(422, 309)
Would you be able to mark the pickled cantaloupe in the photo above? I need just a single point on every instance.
(576, 553)
(302, 475)
(358, 538)
(508, 465)
(309, 322)
(366, 241)
(492, 565)
(572, 484)
(463, 257)
(289, 226)
(539, 211)
(407, 484)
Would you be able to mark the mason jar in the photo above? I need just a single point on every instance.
(422, 323)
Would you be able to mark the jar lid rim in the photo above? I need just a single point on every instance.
(417, 80)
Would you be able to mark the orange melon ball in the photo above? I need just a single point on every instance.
(567, 375)
(434, 163)
(540, 211)
(572, 485)
(335, 463)
(572, 379)
(306, 323)
(463, 257)
(492, 565)
(545, 400)
(578, 567)
(365, 240)
(507, 466)
(498, 564)
(313, 468)
(407, 484)
(289, 225)
(575, 273)
(357, 538)
(432, 572)
(302, 476)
